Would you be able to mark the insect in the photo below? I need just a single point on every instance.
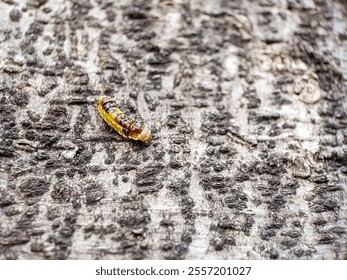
(123, 124)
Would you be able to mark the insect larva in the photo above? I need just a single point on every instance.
(123, 124)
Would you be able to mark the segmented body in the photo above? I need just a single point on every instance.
(123, 124)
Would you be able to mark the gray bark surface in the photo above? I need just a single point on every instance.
(247, 104)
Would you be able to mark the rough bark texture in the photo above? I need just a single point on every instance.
(247, 104)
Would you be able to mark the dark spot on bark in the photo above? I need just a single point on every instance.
(61, 192)
(94, 193)
(6, 199)
(324, 205)
(266, 234)
(33, 187)
(15, 15)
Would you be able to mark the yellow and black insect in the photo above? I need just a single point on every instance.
(123, 124)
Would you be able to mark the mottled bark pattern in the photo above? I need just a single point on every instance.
(247, 105)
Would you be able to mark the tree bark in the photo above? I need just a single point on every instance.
(246, 101)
